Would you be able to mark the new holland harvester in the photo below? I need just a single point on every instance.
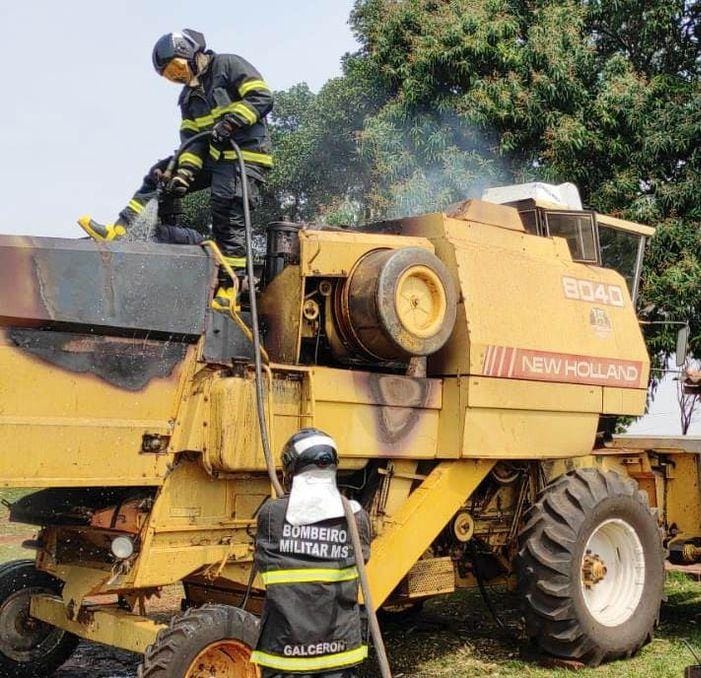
(470, 364)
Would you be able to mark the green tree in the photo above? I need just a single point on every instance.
(445, 97)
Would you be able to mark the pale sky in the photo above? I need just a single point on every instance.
(663, 417)
(83, 114)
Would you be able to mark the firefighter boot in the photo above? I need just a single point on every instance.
(103, 232)
(224, 299)
(226, 296)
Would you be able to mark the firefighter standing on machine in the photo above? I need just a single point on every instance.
(225, 95)
(311, 621)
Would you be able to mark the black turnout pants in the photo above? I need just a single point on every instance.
(226, 204)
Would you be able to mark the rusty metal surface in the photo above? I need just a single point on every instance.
(129, 363)
(69, 506)
(131, 289)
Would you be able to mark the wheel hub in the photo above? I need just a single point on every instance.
(223, 659)
(21, 636)
(612, 572)
(593, 569)
(420, 301)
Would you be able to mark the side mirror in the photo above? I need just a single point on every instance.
(682, 345)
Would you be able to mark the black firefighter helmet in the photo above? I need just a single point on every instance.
(174, 54)
(308, 448)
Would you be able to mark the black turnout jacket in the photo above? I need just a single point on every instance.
(311, 618)
(229, 87)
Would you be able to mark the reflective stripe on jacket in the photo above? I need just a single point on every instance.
(311, 617)
(232, 87)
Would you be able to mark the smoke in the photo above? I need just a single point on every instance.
(426, 162)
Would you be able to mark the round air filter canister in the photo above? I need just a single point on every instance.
(396, 304)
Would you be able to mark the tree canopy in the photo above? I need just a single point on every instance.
(446, 97)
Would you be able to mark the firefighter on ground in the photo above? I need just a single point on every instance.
(311, 622)
(226, 95)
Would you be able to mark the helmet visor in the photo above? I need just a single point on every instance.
(178, 70)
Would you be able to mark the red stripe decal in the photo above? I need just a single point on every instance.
(519, 363)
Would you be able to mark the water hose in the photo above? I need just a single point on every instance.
(257, 348)
(375, 632)
(270, 465)
(257, 354)
(173, 162)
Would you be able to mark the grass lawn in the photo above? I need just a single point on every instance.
(457, 637)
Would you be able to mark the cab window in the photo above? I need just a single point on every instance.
(578, 229)
(620, 251)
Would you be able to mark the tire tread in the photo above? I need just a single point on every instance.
(546, 544)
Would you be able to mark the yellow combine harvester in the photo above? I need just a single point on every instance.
(468, 363)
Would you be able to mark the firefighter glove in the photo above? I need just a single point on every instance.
(156, 172)
(180, 183)
(223, 130)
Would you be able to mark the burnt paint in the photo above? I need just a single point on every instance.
(401, 399)
(127, 363)
(224, 340)
(107, 288)
(70, 506)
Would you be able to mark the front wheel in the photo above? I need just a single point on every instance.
(591, 567)
(29, 648)
(212, 640)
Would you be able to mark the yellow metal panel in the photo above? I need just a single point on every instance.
(524, 434)
(103, 624)
(628, 400)
(683, 497)
(368, 414)
(527, 267)
(281, 311)
(486, 213)
(513, 394)
(658, 443)
(451, 424)
(47, 391)
(188, 431)
(420, 518)
(522, 291)
(335, 253)
(233, 440)
(625, 225)
(368, 432)
(369, 388)
(71, 429)
(496, 418)
(78, 454)
(373, 414)
(197, 521)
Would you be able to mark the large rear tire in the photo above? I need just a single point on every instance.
(212, 640)
(591, 568)
(29, 648)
